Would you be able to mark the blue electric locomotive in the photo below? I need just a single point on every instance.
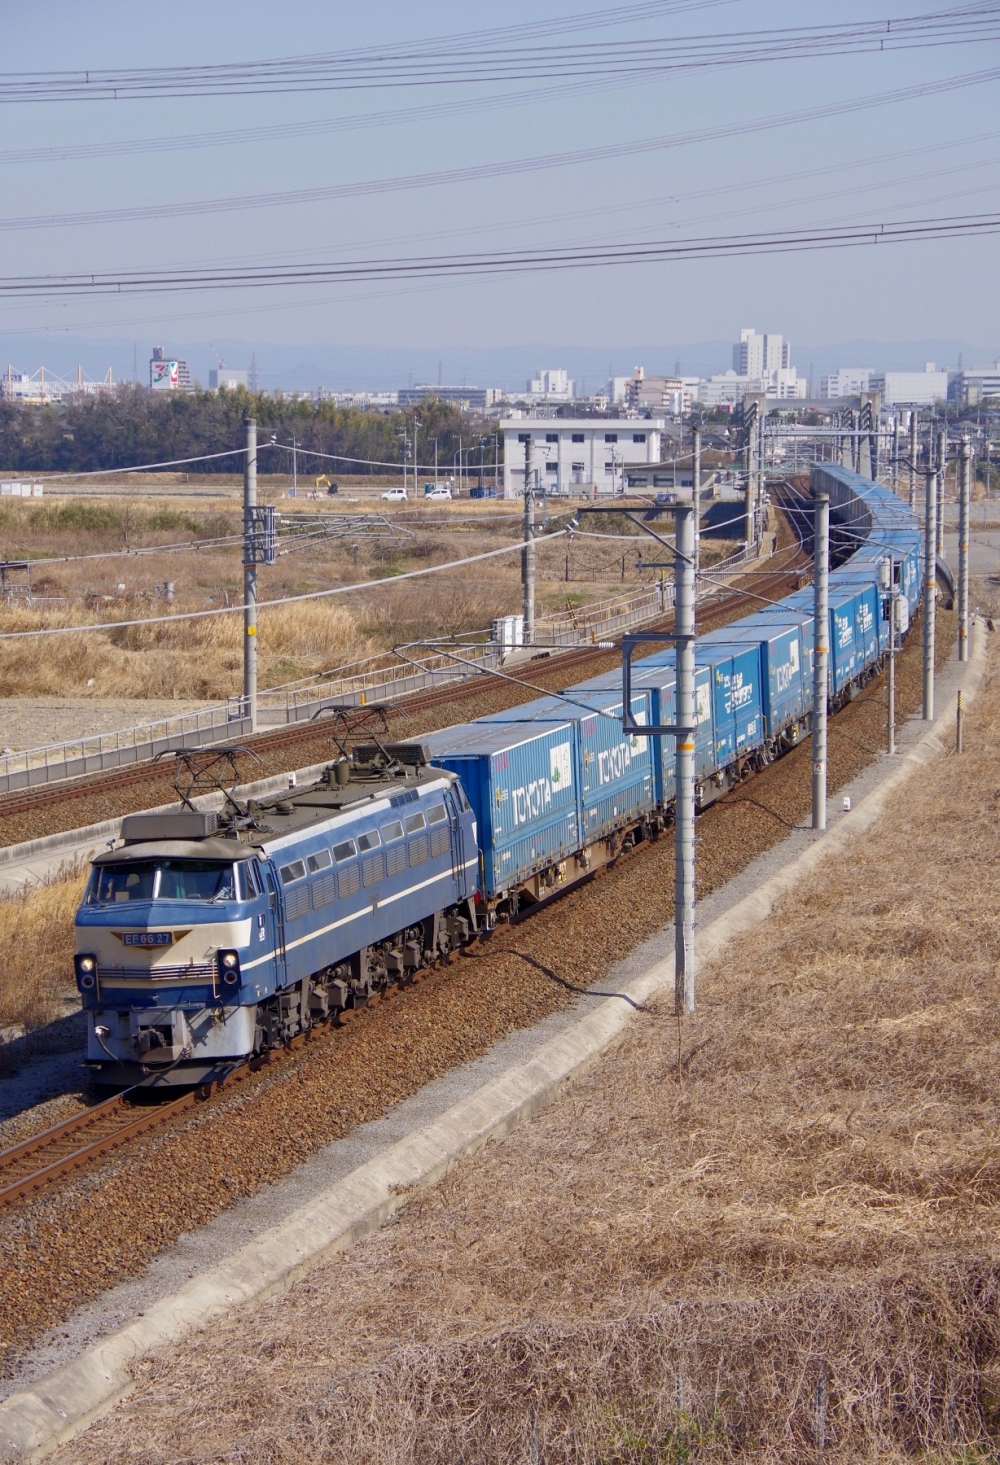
(200, 943)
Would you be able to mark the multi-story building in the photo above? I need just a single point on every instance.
(552, 386)
(657, 394)
(911, 388)
(226, 379)
(973, 385)
(477, 398)
(759, 355)
(848, 381)
(168, 376)
(577, 454)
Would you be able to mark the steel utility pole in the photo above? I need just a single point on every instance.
(684, 594)
(821, 655)
(250, 573)
(930, 588)
(528, 552)
(913, 460)
(964, 498)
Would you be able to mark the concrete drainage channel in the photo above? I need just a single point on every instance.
(359, 1182)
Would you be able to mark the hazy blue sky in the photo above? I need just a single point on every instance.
(898, 293)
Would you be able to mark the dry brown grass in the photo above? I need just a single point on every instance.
(781, 1249)
(36, 938)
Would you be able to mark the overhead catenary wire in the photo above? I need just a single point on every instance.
(508, 262)
(506, 168)
(99, 627)
(454, 61)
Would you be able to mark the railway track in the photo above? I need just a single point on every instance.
(38, 1162)
(767, 584)
(43, 1159)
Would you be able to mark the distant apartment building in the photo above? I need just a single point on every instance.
(571, 454)
(657, 393)
(480, 399)
(848, 381)
(552, 386)
(971, 386)
(760, 355)
(911, 388)
(168, 376)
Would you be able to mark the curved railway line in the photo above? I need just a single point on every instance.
(191, 1164)
(769, 583)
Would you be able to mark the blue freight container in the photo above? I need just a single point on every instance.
(615, 769)
(522, 783)
(873, 626)
(786, 657)
(736, 695)
(658, 673)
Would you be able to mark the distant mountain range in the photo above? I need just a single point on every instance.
(383, 368)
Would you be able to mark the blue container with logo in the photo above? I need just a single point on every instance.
(521, 780)
(614, 768)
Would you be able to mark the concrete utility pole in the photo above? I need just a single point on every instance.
(250, 574)
(930, 588)
(295, 467)
(964, 503)
(913, 461)
(892, 673)
(942, 473)
(528, 552)
(821, 655)
(696, 502)
(684, 583)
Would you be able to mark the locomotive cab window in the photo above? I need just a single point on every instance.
(204, 880)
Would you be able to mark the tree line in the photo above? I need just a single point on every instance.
(133, 426)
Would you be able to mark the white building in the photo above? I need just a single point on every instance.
(973, 385)
(225, 379)
(657, 394)
(552, 386)
(760, 355)
(577, 454)
(848, 381)
(911, 388)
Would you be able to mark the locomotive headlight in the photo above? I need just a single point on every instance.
(229, 964)
(86, 972)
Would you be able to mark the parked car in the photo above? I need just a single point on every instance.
(396, 496)
(441, 492)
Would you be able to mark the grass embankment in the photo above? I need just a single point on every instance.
(36, 937)
(769, 1236)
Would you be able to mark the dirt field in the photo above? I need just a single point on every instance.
(768, 1236)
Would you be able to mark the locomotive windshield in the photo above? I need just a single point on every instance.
(205, 880)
